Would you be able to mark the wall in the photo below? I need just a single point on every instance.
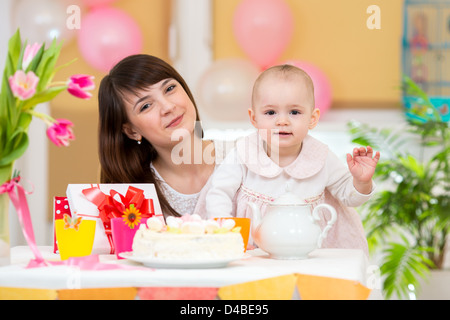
(362, 65)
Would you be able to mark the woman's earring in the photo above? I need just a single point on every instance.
(138, 141)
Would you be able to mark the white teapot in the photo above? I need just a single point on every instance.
(289, 228)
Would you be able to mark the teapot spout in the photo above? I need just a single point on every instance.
(256, 218)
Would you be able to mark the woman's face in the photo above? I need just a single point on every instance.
(158, 111)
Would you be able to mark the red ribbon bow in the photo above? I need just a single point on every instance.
(110, 208)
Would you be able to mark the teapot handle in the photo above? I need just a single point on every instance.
(330, 223)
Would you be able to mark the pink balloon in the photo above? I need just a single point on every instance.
(322, 88)
(263, 29)
(108, 35)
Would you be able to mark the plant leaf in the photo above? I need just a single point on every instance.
(47, 64)
(16, 146)
(403, 265)
(36, 59)
(388, 140)
(7, 97)
(43, 96)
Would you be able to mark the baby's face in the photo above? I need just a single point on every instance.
(283, 110)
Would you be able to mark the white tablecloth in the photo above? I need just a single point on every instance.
(336, 263)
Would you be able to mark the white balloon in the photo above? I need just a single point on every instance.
(42, 20)
(225, 89)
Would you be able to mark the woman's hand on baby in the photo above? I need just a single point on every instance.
(362, 165)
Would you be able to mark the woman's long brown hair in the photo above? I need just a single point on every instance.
(122, 160)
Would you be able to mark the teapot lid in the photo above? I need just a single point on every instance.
(288, 198)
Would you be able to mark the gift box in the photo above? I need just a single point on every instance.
(102, 202)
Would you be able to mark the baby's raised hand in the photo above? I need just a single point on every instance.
(362, 164)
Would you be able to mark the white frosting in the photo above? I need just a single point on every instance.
(174, 222)
(228, 224)
(187, 246)
(194, 227)
(155, 224)
(211, 226)
(188, 238)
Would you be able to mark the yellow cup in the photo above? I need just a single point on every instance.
(75, 243)
(244, 223)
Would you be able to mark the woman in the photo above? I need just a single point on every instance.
(149, 132)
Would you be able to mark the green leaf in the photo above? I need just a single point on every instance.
(412, 164)
(47, 64)
(24, 121)
(386, 140)
(12, 58)
(15, 48)
(410, 88)
(16, 148)
(43, 96)
(403, 265)
(5, 173)
(22, 53)
(64, 65)
(36, 60)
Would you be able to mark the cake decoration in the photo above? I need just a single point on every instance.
(154, 224)
(131, 216)
(71, 222)
(191, 224)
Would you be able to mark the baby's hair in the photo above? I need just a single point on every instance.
(285, 71)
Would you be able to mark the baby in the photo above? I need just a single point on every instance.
(282, 153)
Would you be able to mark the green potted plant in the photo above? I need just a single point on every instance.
(408, 220)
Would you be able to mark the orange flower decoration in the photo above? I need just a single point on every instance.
(131, 216)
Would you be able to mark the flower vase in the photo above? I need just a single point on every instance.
(5, 175)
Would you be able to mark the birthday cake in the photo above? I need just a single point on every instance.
(188, 237)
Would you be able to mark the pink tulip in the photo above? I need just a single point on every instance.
(29, 54)
(79, 84)
(61, 132)
(23, 86)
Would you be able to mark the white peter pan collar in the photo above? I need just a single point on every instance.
(310, 161)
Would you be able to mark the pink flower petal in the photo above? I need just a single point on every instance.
(29, 54)
(23, 86)
(76, 91)
(79, 85)
(61, 132)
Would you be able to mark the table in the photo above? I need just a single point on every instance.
(330, 265)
